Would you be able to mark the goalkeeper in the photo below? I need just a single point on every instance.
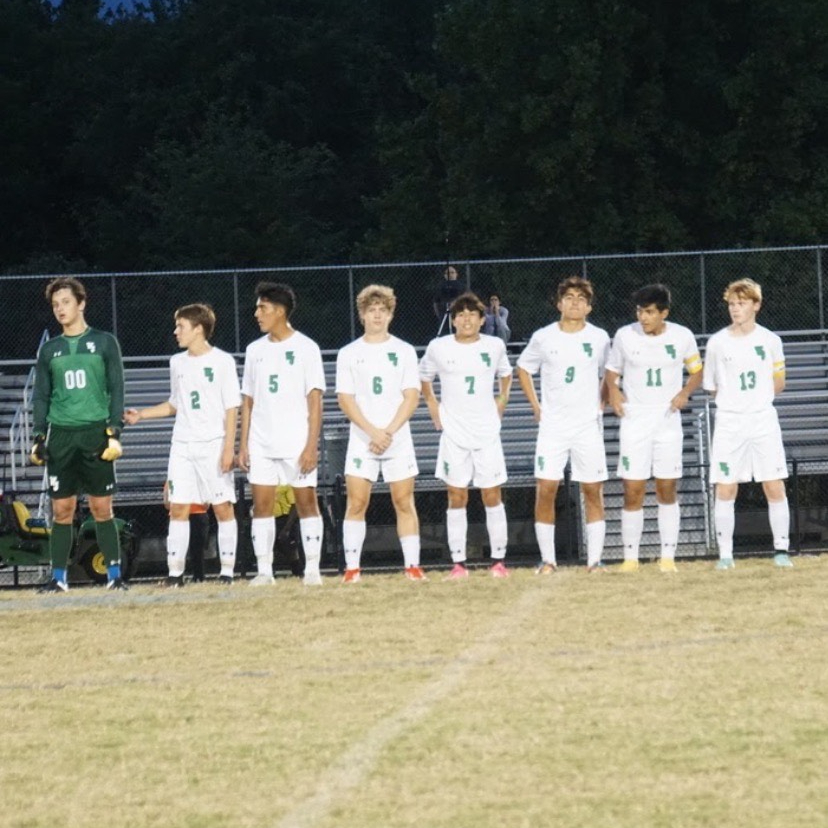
(78, 405)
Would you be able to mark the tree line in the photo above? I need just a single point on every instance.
(198, 133)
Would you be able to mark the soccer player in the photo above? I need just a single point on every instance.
(468, 414)
(205, 400)
(78, 404)
(745, 369)
(650, 358)
(378, 388)
(570, 355)
(281, 417)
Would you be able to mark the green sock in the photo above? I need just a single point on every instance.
(109, 541)
(60, 544)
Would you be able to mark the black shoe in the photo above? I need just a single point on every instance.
(173, 582)
(53, 586)
(225, 580)
(198, 579)
(117, 584)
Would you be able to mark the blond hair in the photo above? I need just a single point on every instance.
(372, 294)
(743, 289)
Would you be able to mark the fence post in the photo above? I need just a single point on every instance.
(351, 300)
(237, 310)
(112, 283)
(703, 293)
(820, 299)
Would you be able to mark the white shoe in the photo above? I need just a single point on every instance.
(262, 580)
(312, 579)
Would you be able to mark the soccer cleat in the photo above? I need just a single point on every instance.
(226, 580)
(458, 573)
(545, 568)
(600, 568)
(173, 582)
(498, 570)
(351, 576)
(415, 573)
(312, 579)
(724, 564)
(53, 586)
(262, 579)
(628, 566)
(117, 585)
(783, 560)
(667, 565)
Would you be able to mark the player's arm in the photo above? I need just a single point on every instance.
(778, 380)
(432, 404)
(244, 450)
(380, 437)
(154, 412)
(411, 399)
(114, 382)
(527, 385)
(231, 416)
(694, 381)
(504, 385)
(309, 458)
(615, 395)
(40, 403)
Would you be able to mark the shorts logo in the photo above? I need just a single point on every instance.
(625, 462)
(54, 483)
(445, 468)
(171, 486)
(541, 463)
(760, 351)
(208, 372)
(724, 468)
(587, 346)
(358, 462)
(671, 350)
(290, 356)
(487, 359)
(392, 358)
(90, 346)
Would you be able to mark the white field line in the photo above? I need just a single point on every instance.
(357, 763)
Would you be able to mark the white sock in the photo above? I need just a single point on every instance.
(595, 532)
(353, 537)
(263, 534)
(545, 534)
(178, 539)
(457, 527)
(498, 531)
(779, 515)
(228, 536)
(724, 520)
(632, 525)
(411, 550)
(312, 531)
(669, 515)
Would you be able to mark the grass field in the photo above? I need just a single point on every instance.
(698, 699)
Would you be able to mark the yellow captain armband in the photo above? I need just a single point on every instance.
(693, 364)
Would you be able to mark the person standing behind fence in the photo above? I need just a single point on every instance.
(745, 370)
(497, 319)
(468, 415)
(570, 355)
(650, 357)
(378, 388)
(282, 388)
(204, 399)
(78, 403)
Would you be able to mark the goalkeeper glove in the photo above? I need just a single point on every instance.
(112, 450)
(39, 454)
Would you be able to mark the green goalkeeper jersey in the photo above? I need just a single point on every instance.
(79, 381)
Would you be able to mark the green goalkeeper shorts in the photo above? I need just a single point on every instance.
(74, 466)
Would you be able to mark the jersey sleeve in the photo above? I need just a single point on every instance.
(315, 375)
(531, 356)
(114, 381)
(230, 395)
(710, 363)
(248, 374)
(344, 376)
(428, 364)
(692, 358)
(605, 352)
(777, 355)
(410, 376)
(504, 367)
(42, 392)
(615, 360)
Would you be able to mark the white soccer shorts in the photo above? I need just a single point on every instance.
(484, 467)
(747, 447)
(194, 473)
(278, 471)
(650, 444)
(361, 462)
(582, 443)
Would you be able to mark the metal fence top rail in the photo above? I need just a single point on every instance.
(425, 264)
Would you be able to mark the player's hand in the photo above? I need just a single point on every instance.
(113, 448)
(380, 440)
(616, 401)
(132, 416)
(228, 460)
(679, 401)
(308, 459)
(243, 460)
(536, 414)
(39, 453)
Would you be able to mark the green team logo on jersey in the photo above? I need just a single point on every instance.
(671, 350)
(90, 346)
(392, 358)
(724, 468)
(358, 462)
(625, 462)
(541, 463)
(487, 359)
(208, 372)
(760, 351)
(587, 346)
(290, 356)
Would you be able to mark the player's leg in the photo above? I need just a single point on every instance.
(545, 493)
(669, 516)
(779, 516)
(228, 539)
(218, 489)
(455, 468)
(408, 525)
(199, 536)
(109, 541)
(729, 465)
(589, 469)
(632, 522)
(596, 526)
(358, 495)
(310, 527)
(178, 542)
(182, 490)
(635, 461)
(61, 541)
(724, 521)
(497, 529)
(771, 468)
(263, 528)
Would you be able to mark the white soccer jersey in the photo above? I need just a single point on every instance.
(467, 372)
(278, 376)
(740, 369)
(571, 366)
(202, 388)
(376, 374)
(652, 367)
